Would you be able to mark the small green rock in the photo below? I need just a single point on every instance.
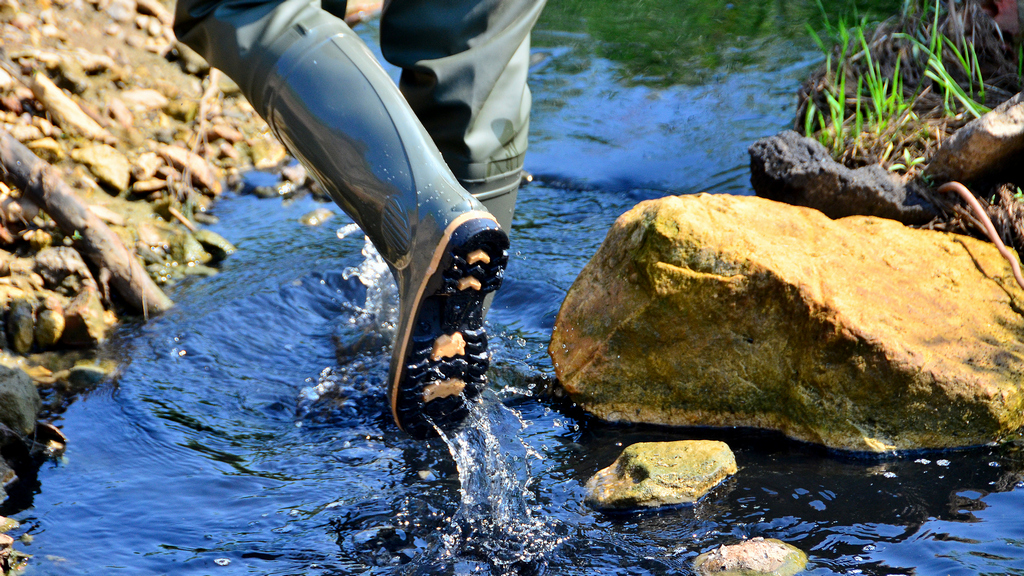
(183, 110)
(653, 474)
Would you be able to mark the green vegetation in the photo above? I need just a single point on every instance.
(917, 77)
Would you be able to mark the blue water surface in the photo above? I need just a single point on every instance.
(197, 459)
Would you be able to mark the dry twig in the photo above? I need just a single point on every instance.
(987, 226)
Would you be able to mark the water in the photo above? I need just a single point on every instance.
(247, 430)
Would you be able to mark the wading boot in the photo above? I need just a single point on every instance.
(329, 101)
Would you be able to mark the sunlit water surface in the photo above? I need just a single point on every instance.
(236, 439)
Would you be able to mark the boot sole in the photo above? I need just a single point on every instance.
(444, 355)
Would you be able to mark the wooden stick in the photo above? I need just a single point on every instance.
(989, 229)
(181, 218)
(43, 185)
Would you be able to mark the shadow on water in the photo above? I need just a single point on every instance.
(247, 430)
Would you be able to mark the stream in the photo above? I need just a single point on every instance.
(247, 432)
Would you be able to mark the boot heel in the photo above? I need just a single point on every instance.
(447, 358)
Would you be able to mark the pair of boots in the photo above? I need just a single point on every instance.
(328, 100)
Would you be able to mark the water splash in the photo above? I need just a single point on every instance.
(498, 521)
(497, 525)
(363, 338)
(379, 312)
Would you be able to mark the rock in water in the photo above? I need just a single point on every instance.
(859, 334)
(653, 474)
(19, 400)
(752, 557)
(317, 217)
(215, 244)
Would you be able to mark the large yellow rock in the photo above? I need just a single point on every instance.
(859, 334)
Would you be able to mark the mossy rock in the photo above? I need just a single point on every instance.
(654, 474)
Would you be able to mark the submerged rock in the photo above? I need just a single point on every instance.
(751, 558)
(859, 334)
(19, 400)
(990, 144)
(87, 374)
(796, 170)
(653, 474)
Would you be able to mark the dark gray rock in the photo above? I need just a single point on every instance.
(796, 170)
(19, 400)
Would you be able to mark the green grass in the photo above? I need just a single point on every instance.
(882, 105)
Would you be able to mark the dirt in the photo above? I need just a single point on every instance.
(169, 136)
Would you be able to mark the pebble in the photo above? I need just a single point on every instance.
(121, 10)
(47, 148)
(752, 557)
(144, 99)
(316, 217)
(108, 165)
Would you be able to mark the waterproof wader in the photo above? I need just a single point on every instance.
(336, 110)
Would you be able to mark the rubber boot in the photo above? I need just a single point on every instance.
(333, 106)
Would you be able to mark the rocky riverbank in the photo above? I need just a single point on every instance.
(116, 142)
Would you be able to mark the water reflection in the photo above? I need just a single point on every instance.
(659, 43)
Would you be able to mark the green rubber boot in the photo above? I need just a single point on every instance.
(333, 106)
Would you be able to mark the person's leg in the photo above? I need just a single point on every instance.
(464, 74)
(337, 111)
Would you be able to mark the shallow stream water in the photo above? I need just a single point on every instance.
(237, 440)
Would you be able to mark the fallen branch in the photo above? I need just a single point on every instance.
(66, 112)
(987, 226)
(181, 218)
(43, 185)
